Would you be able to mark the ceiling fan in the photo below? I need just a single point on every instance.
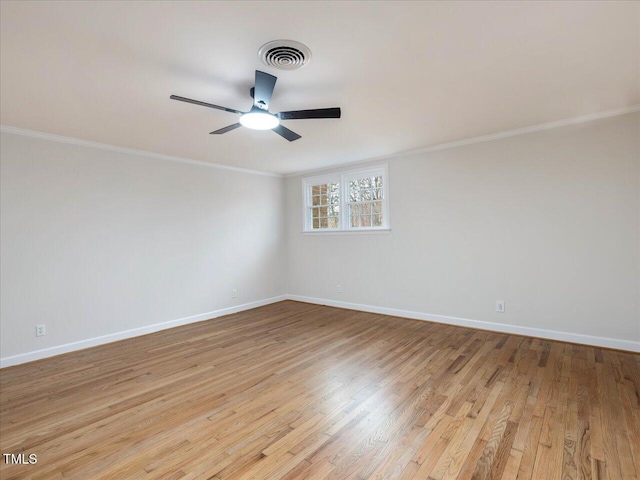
(259, 117)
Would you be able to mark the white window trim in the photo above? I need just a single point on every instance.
(342, 178)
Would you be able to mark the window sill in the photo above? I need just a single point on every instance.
(376, 231)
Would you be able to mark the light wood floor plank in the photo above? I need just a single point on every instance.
(299, 391)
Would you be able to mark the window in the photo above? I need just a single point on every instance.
(357, 200)
(325, 205)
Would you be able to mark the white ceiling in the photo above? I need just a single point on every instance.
(406, 74)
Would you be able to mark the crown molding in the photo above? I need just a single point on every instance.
(129, 151)
(483, 138)
(433, 148)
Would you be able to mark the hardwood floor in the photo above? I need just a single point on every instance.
(293, 390)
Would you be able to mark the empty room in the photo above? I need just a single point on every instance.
(320, 240)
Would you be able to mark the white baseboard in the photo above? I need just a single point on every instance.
(592, 340)
(135, 332)
(615, 343)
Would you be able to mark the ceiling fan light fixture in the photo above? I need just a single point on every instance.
(259, 121)
(259, 117)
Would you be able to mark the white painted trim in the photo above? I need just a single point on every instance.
(615, 343)
(483, 138)
(442, 146)
(130, 151)
(352, 231)
(135, 332)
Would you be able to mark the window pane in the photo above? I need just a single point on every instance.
(354, 192)
(325, 202)
(365, 202)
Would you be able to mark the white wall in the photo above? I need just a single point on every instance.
(98, 242)
(547, 221)
(95, 243)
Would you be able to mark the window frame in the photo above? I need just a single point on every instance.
(342, 178)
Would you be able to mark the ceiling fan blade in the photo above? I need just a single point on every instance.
(226, 129)
(314, 113)
(265, 84)
(286, 133)
(198, 102)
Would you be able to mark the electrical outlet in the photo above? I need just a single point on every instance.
(500, 306)
(234, 293)
(40, 331)
(339, 289)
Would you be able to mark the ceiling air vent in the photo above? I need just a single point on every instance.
(285, 54)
